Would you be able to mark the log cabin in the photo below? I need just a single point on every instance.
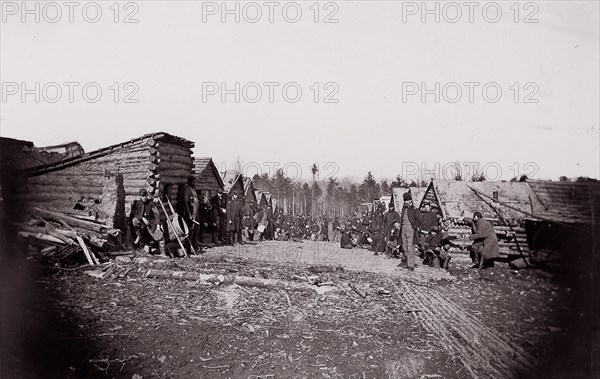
(105, 182)
(233, 184)
(208, 179)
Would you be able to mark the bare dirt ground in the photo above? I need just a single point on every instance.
(433, 324)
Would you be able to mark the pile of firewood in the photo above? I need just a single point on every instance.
(69, 237)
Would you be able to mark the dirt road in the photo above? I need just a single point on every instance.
(461, 323)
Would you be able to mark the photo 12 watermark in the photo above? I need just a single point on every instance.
(470, 92)
(69, 92)
(269, 92)
(252, 12)
(419, 172)
(287, 252)
(452, 12)
(53, 12)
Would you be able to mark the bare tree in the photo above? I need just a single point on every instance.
(456, 171)
(478, 175)
(314, 170)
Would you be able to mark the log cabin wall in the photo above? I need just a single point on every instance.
(85, 182)
(107, 181)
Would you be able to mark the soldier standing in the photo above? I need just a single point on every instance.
(409, 221)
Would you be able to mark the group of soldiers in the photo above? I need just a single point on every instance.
(225, 219)
(412, 233)
(406, 234)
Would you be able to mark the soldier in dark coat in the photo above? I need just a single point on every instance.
(336, 231)
(429, 220)
(190, 207)
(145, 218)
(388, 223)
(270, 225)
(214, 220)
(393, 240)
(220, 200)
(485, 233)
(247, 221)
(203, 219)
(234, 220)
(346, 241)
(432, 246)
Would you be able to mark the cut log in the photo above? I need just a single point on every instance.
(168, 176)
(174, 166)
(44, 230)
(273, 284)
(170, 149)
(175, 159)
(61, 217)
(41, 236)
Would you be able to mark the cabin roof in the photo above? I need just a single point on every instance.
(201, 164)
(161, 136)
(567, 202)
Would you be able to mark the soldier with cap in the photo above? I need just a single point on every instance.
(234, 220)
(428, 222)
(432, 246)
(247, 221)
(388, 223)
(483, 232)
(145, 216)
(191, 207)
(220, 202)
(410, 220)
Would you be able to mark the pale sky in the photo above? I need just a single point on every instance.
(370, 54)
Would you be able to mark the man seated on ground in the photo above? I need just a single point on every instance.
(374, 236)
(433, 250)
(314, 231)
(247, 222)
(346, 241)
(336, 230)
(393, 241)
(145, 219)
(429, 220)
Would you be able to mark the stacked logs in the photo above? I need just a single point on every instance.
(54, 231)
(511, 239)
(170, 165)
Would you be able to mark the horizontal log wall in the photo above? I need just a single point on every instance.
(93, 181)
(109, 184)
(175, 166)
(508, 246)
